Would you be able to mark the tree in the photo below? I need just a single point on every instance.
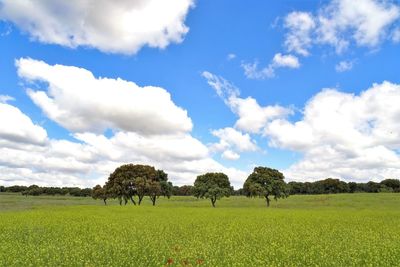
(141, 188)
(352, 187)
(213, 186)
(99, 192)
(331, 186)
(184, 190)
(141, 180)
(166, 189)
(266, 182)
(154, 190)
(372, 187)
(159, 186)
(129, 180)
(394, 184)
(16, 188)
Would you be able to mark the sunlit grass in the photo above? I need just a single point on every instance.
(325, 230)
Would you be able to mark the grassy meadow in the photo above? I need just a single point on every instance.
(313, 230)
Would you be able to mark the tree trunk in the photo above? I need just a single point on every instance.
(120, 201)
(268, 200)
(213, 202)
(126, 200)
(153, 199)
(133, 201)
(105, 201)
(140, 200)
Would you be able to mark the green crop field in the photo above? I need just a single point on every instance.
(323, 230)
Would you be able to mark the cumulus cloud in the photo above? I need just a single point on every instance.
(18, 127)
(230, 155)
(80, 102)
(288, 61)
(95, 156)
(110, 26)
(344, 66)
(340, 23)
(252, 116)
(232, 141)
(252, 71)
(344, 135)
(73, 98)
(367, 21)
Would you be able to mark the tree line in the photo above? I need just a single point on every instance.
(35, 190)
(334, 186)
(131, 183)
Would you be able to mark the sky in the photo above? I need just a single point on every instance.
(311, 88)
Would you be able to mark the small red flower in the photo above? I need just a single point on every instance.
(170, 261)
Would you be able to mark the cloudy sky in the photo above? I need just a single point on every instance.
(311, 88)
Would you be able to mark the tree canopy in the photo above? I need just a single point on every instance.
(266, 182)
(99, 192)
(213, 186)
(131, 180)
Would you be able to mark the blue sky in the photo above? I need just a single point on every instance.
(303, 72)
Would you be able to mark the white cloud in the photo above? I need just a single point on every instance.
(252, 71)
(344, 135)
(89, 162)
(80, 102)
(230, 155)
(252, 116)
(6, 98)
(73, 100)
(110, 26)
(340, 23)
(300, 25)
(352, 137)
(344, 66)
(232, 141)
(222, 87)
(231, 56)
(288, 61)
(16, 126)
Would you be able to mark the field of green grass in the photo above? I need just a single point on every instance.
(323, 230)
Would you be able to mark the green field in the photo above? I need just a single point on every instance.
(323, 230)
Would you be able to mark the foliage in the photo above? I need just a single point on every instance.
(333, 186)
(166, 189)
(213, 186)
(266, 182)
(35, 190)
(165, 186)
(394, 184)
(100, 192)
(327, 186)
(131, 180)
(184, 190)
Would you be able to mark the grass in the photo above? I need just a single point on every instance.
(324, 230)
